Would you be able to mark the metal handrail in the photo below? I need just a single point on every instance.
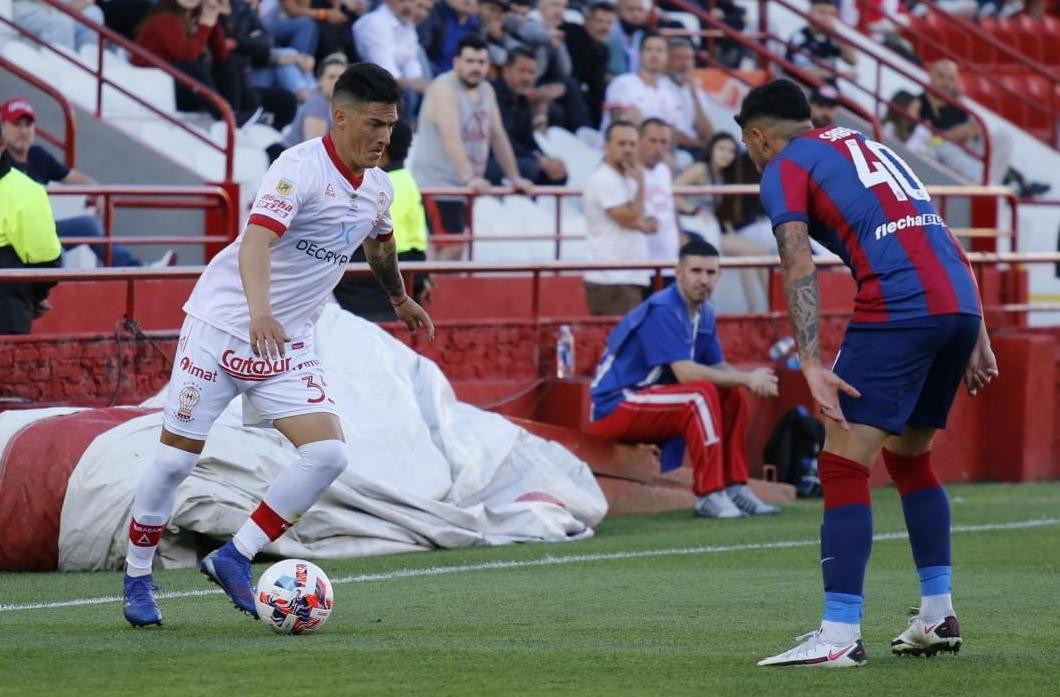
(69, 142)
(228, 150)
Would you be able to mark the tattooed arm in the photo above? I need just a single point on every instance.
(804, 309)
(800, 287)
(382, 257)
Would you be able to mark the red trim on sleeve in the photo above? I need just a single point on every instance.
(333, 154)
(384, 238)
(267, 223)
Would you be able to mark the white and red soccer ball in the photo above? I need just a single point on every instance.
(294, 597)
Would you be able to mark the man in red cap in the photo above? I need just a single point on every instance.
(18, 124)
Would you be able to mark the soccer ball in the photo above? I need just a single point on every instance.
(294, 597)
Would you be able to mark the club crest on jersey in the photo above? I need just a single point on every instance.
(380, 207)
(187, 398)
(284, 187)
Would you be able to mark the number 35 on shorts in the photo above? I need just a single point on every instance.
(317, 388)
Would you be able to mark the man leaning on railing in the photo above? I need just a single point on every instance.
(27, 239)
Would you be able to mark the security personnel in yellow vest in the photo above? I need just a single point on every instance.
(27, 240)
(361, 295)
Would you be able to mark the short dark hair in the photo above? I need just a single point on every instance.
(619, 123)
(601, 6)
(780, 99)
(649, 35)
(519, 52)
(697, 248)
(472, 41)
(679, 41)
(652, 121)
(337, 58)
(400, 140)
(367, 82)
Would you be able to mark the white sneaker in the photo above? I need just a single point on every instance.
(815, 652)
(746, 501)
(716, 505)
(169, 258)
(922, 638)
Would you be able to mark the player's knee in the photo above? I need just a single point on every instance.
(174, 464)
(326, 456)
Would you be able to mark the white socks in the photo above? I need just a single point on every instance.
(153, 504)
(840, 633)
(291, 494)
(936, 607)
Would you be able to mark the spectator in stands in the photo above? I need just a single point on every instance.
(55, 27)
(421, 10)
(555, 81)
(713, 169)
(313, 119)
(590, 55)
(653, 149)
(183, 32)
(459, 125)
(815, 51)
(744, 229)
(692, 127)
(900, 121)
(521, 120)
(728, 52)
(27, 240)
(443, 30)
(124, 16)
(641, 95)
(280, 76)
(627, 35)
(617, 223)
(823, 103)
(387, 37)
(18, 124)
(362, 294)
(335, 20)
(292, 23)
(664, 379)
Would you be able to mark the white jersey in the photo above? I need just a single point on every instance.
(659, 204)
(322, 214)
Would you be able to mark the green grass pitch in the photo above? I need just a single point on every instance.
(653, 605)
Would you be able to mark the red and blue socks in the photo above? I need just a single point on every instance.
(927, 517)
(846, 542)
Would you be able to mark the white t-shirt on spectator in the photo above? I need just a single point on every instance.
(322, 213)
(382, 38)
(685, 111)
(659, 204)
(609, 241)
(630, 90)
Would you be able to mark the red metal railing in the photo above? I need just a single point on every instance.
(943, 193)
(68, 142)
(132, 275)
(205, 198)
(107, 35)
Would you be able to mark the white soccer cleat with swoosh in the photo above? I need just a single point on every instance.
(922, 638)
(815, 652)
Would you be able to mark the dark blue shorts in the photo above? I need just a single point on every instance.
(907, 372)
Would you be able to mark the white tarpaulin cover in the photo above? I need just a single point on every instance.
(426, 471)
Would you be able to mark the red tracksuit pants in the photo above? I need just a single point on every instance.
(711, 419)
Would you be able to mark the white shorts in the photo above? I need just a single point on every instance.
(211, 367)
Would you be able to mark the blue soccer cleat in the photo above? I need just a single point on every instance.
(141, 609)
(231, 571)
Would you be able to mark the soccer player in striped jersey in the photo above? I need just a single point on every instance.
(916, 331)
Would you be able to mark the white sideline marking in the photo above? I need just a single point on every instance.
(548, 560)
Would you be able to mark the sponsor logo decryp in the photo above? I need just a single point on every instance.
(921, 220)
(251, 368)
(323, 254)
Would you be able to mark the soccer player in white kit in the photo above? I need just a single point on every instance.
(249, 331)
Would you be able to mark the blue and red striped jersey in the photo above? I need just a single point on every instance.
(864, 203)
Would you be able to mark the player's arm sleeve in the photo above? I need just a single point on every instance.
(665, 337)
(34, 239)
(283, 189)
(784, 191)
(383, 226)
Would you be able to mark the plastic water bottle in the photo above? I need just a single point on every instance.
(783, 351)
(565, 353)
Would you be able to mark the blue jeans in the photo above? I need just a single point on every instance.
(290, 77)
(89, 226)
(300, 33)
